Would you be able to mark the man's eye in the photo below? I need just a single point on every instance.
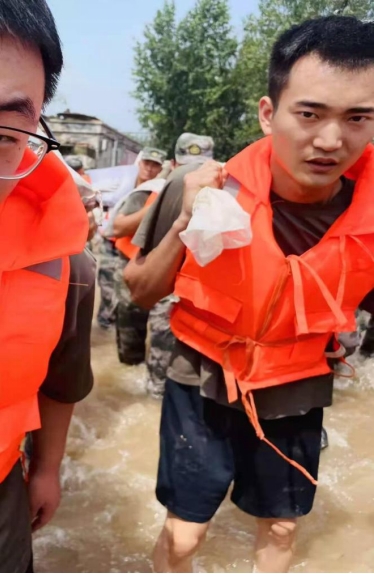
(358, 119)
(308, 115)
(7, 139)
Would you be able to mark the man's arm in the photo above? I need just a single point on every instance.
(130, 215)
(126, 225)
(152, 277)
(69, 380)
(48, 445)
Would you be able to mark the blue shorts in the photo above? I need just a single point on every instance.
(206, 446)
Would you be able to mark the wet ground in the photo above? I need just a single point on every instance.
(109, 518)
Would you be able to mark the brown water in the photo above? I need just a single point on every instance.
(109, 518)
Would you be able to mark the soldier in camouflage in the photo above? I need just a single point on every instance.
(131, 320)
(108, 301)
(109, 258)
(190, 149)
(161, 343)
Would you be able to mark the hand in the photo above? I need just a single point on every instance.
(44, 493)
(210, 174)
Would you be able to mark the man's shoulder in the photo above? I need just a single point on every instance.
(137, 195)
(134, 202)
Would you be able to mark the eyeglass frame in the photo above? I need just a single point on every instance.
(52, 145)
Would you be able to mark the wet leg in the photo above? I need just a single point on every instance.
(177, 544)
(275, 545)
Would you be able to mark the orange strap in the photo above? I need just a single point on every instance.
(346, 376)
(250, 409)
(302, 324)
(331, 302)
(363, 246)
(343, 276)
(299, 300)
(232, 389)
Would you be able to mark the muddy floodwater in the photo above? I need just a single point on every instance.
(109, 518)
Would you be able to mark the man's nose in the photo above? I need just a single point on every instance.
(329, 138)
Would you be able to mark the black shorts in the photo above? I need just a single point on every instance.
(206, 446)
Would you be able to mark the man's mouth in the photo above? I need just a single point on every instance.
(322, 164)
(323, 161)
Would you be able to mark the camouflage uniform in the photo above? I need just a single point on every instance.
(131, 320)
(108, 302)
(161, 346)
(190, 149)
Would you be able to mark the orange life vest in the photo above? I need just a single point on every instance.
(267, 318)
(42, 222)
(124, 244)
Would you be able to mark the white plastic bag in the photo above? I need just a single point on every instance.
(218, 222)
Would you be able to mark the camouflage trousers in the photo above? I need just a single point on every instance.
(161, 346)
(107, 267)
(131, 321)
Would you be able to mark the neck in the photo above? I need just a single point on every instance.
(289, 189)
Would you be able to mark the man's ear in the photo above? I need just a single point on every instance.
(266, 114)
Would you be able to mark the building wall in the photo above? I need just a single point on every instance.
(103, 145)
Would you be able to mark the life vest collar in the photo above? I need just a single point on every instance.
(43, 218)
(251, 168)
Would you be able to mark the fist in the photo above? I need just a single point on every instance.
(210, 174)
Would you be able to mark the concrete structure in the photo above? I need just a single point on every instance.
(97, 144)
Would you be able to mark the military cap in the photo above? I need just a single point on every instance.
(153, 154)
(193, 148)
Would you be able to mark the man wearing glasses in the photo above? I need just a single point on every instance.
(46, 282)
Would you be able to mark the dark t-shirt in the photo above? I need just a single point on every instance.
(69, 380)
(297, 227)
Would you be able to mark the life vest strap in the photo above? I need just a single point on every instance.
(343, 375)
(232, 389)
(250, 409)
(302, 325)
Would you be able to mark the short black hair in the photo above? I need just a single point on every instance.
(342, 41)
(31, 22)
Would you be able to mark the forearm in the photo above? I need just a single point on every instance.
(126, 225)
(49, 441)
(152, 278)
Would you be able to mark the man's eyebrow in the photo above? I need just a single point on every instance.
(314, 105)
(361, 110)
(22, 106)
(320, 106)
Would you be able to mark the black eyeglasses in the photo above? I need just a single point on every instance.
(34, 149)
(50, 135)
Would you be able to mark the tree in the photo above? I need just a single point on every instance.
(193, 76)
(260, 33)
(157, 90)
(186, 76)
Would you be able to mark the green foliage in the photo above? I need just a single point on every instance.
(186, 76)
(194, 76)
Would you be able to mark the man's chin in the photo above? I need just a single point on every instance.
(317, 181)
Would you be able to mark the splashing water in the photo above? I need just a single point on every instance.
(109, 518)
